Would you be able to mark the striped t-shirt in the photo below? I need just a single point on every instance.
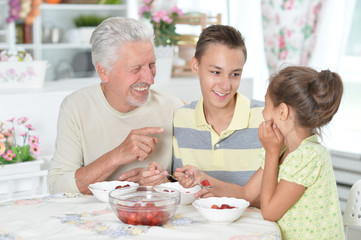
(232, 156)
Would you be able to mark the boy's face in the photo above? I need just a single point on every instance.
(219, 71)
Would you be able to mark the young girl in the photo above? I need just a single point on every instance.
(295, 184)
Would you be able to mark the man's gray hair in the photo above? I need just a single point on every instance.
(112, 34)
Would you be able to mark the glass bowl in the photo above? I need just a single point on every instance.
(144, 205)
(221, 209)
(101, 190)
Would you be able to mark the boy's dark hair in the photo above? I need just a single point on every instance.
(219, 34)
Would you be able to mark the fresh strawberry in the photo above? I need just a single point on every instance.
(120, 186)
(205, 182)
(225, 206)
(158, 216)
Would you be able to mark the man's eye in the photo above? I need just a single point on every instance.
(215, 72)
(235, 74)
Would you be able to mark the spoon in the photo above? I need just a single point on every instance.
(169, 175)
(198, 183)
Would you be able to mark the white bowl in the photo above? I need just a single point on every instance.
(101, 189)
(204, 206)
(187, 194)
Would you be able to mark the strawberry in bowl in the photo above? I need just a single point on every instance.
(144, 205)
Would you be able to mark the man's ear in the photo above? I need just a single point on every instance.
(284, 111)
(194, 65)
(102, 72)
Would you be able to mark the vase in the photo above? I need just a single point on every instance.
(26, 74)
(164, 62)
(85, 33)
(20, 177)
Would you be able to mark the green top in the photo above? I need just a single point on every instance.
(316, 215)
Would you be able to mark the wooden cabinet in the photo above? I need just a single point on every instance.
(187, 42)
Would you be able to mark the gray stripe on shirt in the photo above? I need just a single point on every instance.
(191, 138)
(242, 139)
(195, 139)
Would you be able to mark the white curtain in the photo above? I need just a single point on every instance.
(246, 16)
(332, 34)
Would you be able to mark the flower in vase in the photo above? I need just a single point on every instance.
(163, 22)
(18, 148)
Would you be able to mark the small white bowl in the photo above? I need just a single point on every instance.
(101, 190)
(204, 206)
(187, 194)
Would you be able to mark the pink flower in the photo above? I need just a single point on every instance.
(11, 72)
(176, 10)
(11, 120)
(22, 120)
(31, 71)
(7, 134)
(167, 20)
(29, 126)
(9, 155)
(23, 134)
(33, 140)
(283, 54)
(159, 15)
(4, 58)
(143, 9)
(35, 149)
(288, 4)
(282, 43)
(288, 33)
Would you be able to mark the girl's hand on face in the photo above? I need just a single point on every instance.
(183, 173)
(270, 137)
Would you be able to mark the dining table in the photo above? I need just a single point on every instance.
(78, 216)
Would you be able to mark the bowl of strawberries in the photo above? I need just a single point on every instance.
(101, 190)
(187, 194)
(144, 205)
(221, 209)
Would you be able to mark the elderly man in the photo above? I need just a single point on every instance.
(120, 125)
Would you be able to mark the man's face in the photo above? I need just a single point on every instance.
(127, 85)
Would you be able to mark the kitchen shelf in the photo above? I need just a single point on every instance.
(55, 46)
(82, 7)
(60, 55)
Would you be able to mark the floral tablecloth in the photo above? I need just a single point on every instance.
(77, 216)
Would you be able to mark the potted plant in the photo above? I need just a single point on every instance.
(18, 152)
(86, 25)
(164, 25)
